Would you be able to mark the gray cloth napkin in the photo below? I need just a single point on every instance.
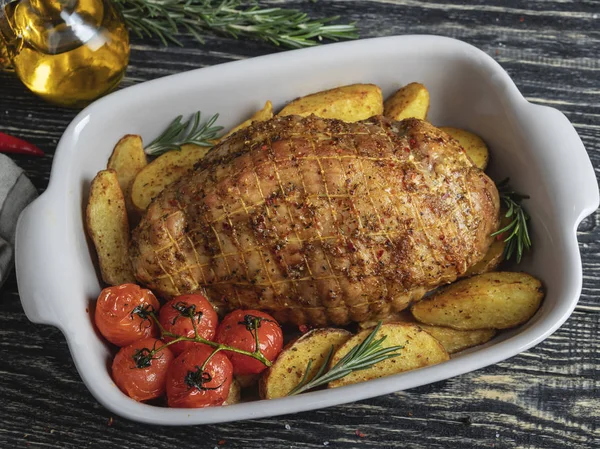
(16, 192)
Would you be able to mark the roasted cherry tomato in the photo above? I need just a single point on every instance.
(120, 314)
(176, 317)
(236, 330)
(140, 374)
(190, 386)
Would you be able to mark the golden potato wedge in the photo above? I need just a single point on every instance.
(454, 340)
(290, 366)
(490, 261)
(108, 228)
(474, 146)
(262, 115)
(403, 316)
(162, 171)
(348, 103)
(128, 159)
(420, 349)
(496, 300)
(235, 394)
(410, 101)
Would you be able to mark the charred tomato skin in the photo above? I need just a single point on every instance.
(116, 318)
(144, 382)
(188, 386)
(173, 318)
(233, 332)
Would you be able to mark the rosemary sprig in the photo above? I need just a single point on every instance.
(517, 235)
(362, 356)
(286, 27)
(178, 134)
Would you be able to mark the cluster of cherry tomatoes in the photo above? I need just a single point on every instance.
(160, 349)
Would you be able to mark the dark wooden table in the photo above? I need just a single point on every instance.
(548, 397)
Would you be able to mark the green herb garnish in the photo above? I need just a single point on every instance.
(517, 235)
(178, 134)
(362, 356)
(291, 28)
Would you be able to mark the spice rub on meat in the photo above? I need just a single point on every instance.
(319, 221)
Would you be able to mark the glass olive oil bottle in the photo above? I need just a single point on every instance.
(69, 52)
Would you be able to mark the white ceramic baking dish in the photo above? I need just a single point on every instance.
(536, 146)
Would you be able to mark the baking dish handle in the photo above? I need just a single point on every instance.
(581, 189)
(38, 277)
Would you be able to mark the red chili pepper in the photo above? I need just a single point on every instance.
(10, 144)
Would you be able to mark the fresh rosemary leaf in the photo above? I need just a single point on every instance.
(362, 356)
(177, 134)
(291, 28)
(516, 233)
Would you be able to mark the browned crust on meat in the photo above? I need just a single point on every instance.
(319, 221)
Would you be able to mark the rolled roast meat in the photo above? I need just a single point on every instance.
(319, 221)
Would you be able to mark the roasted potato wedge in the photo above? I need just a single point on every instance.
(410, 101)
(490, 261)
(403, 316)
(496, 300)
(290, 366)
(235, 393)
(262, 115)
(420, 349)
(162, 171)
(108, 227)
(128, 159)
(348, 103)
(474, 146)
(454, 340)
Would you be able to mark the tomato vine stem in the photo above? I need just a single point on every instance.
(256, 354)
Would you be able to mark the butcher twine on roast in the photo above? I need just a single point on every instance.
(319, 221)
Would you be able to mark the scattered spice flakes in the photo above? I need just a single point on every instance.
(409, 414)
(221, 442)
(111, 421)
(359, 434)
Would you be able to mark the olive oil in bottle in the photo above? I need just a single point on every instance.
(69, 52)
